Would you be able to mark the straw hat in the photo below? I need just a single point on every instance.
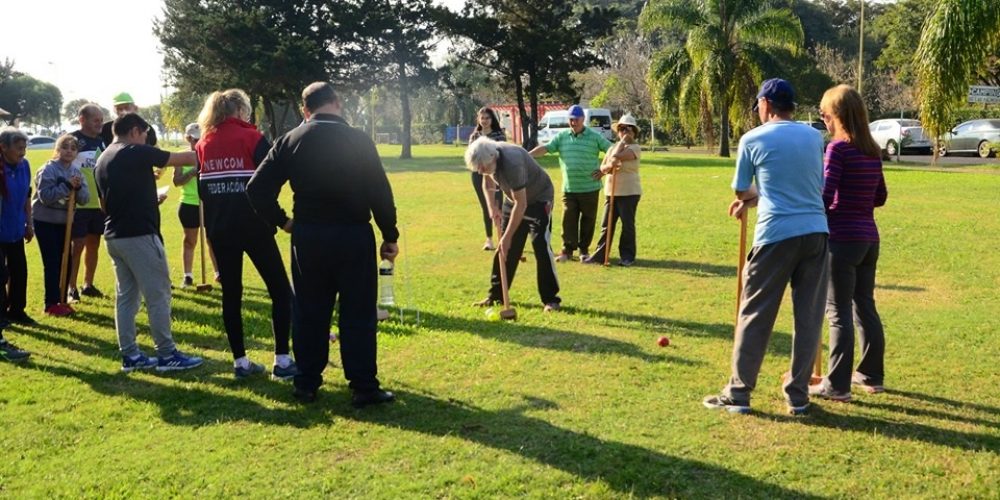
(626, 119)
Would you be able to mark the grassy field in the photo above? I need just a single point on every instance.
(581, 403)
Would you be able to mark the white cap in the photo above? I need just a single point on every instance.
(193, 130)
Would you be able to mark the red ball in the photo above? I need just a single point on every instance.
(663, 341)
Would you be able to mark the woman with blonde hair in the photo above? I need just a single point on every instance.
(853, 186)
(229, 152)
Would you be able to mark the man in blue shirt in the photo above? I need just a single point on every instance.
(779, 169)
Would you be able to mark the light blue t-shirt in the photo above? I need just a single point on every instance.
(785, 160)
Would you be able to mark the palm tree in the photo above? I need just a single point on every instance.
(958, 40)
(728, 45)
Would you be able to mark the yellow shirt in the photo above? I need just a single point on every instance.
(627, 182)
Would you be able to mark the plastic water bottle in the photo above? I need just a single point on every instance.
(385, 283)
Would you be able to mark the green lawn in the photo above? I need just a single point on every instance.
(581, 403)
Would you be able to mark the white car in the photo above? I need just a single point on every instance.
(888, 134)
(41, 142)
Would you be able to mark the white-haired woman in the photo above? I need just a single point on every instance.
(228, 154)
(526, 210)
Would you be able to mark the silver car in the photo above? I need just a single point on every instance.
(976, 136)
(888, 134)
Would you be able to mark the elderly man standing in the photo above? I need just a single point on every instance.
(88, 220)
(579, 150)
(339, 185)
(784, 159)
(527, 209)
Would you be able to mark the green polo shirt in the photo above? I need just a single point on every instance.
(579, 156)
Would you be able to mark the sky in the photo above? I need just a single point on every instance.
(66, 43)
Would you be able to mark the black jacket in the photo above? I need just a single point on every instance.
(335, 173)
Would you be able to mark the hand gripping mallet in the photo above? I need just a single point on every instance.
(507, 313)
(204, 286)
(70, 211)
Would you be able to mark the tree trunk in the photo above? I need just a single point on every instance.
(519, 90)
(533, 99)
(404, 103)
(269, 111)
(724, 131)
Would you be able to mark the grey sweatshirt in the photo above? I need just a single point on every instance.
(52, 189)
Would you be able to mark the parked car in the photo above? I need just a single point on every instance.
(41, 142)
(819, 125)
(980, 137)
(598, 119)
(887, 134)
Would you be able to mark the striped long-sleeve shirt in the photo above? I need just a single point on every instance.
(852, 188)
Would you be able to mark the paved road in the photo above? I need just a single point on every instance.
(949, 160)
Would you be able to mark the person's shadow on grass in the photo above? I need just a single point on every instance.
(627, 469)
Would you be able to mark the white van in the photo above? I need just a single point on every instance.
(598, 119)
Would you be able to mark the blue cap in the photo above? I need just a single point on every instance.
(575, 111)
(777, 91)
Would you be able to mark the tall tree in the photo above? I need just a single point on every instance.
(959, 41)
(29, 99)
(729, 46)
(269, 48)
(398, 36)
(535, 45)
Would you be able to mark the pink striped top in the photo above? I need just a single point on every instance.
(853, 186)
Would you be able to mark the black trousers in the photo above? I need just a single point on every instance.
(477, 182)
(625, 208)
(265, 256)
(331, 262)
(850, 300)
(579, 217)
(537, 223)
(51, 238)
(17, 277)
(3, 289)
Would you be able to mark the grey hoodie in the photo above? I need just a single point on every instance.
(52, 189)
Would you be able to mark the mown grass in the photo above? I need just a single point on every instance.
(582, 403)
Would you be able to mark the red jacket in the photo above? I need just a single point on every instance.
(227, 158)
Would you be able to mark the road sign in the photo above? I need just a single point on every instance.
(984, 94)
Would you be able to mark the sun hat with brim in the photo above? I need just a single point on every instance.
(777, 91)
(193, 130)
(122, 98)
(626, 119)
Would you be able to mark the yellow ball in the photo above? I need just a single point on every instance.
(492, 314)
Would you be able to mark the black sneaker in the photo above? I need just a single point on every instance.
(22, 318)
(721, 402)
(10, 352)
(304, 395)
(368, 398)
(188, 282)
(90, 291)
(72, 295)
